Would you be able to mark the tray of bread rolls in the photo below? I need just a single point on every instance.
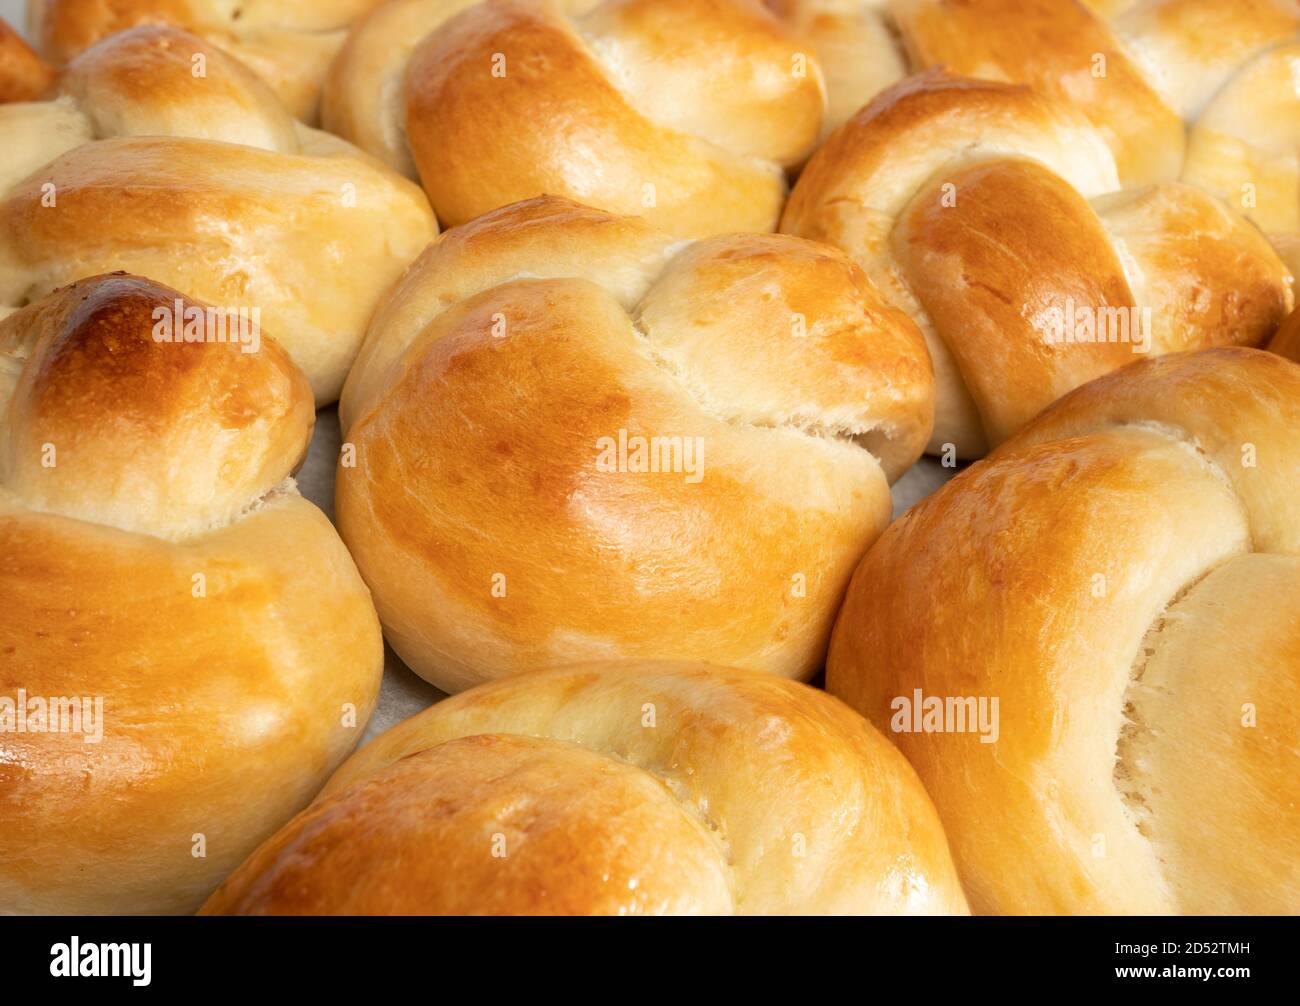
(606, 457)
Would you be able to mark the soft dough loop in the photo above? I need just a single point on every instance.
(681, 111)
(570, 436)
(1120, 579)
(186, 649)
(614, 790)
(202, 180)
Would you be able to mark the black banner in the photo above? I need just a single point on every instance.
(550, 955)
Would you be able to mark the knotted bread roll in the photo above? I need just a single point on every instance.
(289, 43)
(570, 436)
(989, 213)
(186, 649)
(614, 790)
(1121, 578)
(1143, 72)
(166, 158)
(682, 111)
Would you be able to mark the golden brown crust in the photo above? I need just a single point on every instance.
(988, 213)
(614, 789)
(547, 238)
(24, 76)
(288, 43)
(681, 111)
(1062, 50)
(1143, 71)
(1191, 48)
(64, 28)
(900, 140)
(160, 81)
(513, 527)
(577, 833)
(95, 342)
(158, 566)
(719, 306)
(1242, 147)
(494, 543)
(1137, 68)
(856, 45)
(1092, 577)
(1207, 273)
(205, 183)
(993, 275)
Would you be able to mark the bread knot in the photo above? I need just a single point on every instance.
(992, 214)
(1120, 578)
(161, 155)
(683, 112)
(571, 435)
(185, 646)
(651, 788)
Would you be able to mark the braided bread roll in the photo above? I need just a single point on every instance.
(160, 568)
(205, 183)
(646, 447)
(989, 213)
(613, 790)
(681, 111)
(288, 43)
(1121, 578)
(1198, 89)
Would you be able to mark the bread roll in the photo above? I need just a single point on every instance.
(205, 182)
(1065, 52)
(1142, 72)
(680, 111)
(186, 649)
(570, 436)
(1120, 579)
(613, 790)
(24, 76)
(1245, 147)
(857, 47)
(289, 43)
(990, 213)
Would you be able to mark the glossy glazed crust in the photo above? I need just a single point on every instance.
(476, 500)
(989, 213)
(1200, 90)
(1121, 577)
(158, 560)
(614, 789)
(1138, 69)
(1064, 51)
(205, 183)
(681, 111)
